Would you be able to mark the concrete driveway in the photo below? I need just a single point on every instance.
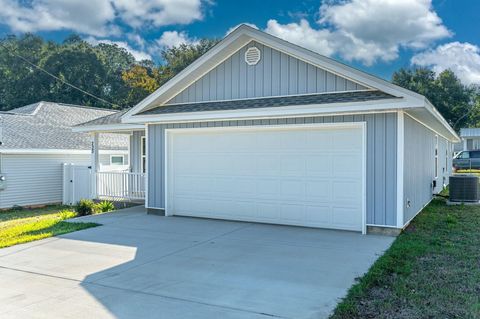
(144, 266)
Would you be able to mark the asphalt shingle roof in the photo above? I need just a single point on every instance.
(47, 125)
(343, 97)
(115, 118)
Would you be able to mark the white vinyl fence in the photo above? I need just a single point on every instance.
(77, 183)
(111, 185)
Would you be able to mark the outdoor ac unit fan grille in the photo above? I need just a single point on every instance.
(464, 188)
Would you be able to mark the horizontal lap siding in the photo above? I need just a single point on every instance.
(35, 179)
(276, 74)
(419, 166)
(381, 158)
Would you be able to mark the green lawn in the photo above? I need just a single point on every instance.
(432, 270)
(21, 226)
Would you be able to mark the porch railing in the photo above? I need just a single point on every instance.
(120, 186)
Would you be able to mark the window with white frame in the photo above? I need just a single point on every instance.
(436, 156)
(143, 155)
(117, 159)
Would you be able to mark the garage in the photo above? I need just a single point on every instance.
(306, 175)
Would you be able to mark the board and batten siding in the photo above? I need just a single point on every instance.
(136, 151)
(419, 166)
(381, 158)
(276, 74)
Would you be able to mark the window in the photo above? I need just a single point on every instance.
(117, 160)
(475, 154)
(143, 155)
(463, 155)
(436, 156)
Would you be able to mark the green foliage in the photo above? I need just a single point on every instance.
(430, 271)
(454, 100)
(86, 207)
(105, 70)
(105, 206)
(18, 227)
(66, 214)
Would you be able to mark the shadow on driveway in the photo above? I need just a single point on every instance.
(143, 266)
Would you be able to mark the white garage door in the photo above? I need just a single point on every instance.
(308, 176)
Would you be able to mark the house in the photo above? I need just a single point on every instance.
(259, 129)
(470, 140)
(37, 139)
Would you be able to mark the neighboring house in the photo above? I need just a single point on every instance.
(259, 129)
(37, 139)
(470, 140)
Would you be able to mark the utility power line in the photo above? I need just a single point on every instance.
(56, 77)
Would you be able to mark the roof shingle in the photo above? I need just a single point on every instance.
(323, 98)
(47, 125)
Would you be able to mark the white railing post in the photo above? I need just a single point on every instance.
(94, 164)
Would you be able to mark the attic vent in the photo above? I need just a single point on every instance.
(252, 56)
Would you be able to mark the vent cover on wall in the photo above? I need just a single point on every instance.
(252, 56)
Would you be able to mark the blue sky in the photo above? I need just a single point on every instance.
(378, 36)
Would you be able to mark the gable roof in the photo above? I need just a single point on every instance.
(47, 125)
(305, 99)
(409, 101)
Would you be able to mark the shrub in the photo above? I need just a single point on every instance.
(86, 207)
(66, 214)
(105, 206)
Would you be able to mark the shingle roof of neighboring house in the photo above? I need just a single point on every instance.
(115, 118)
(343, 97)
(47, 125)
(470, 132)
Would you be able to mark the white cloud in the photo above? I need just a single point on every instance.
(138, 55)
(89, 17)
(367, 30)
(138, 13)
(462, 58)
(97, 17)
(173, 38)
(303, 34)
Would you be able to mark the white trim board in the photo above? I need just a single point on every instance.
(57, 151)
(400, 167)
(278, 112)
(245, 34)
(170, 132)
(239, 38)
(109, 128)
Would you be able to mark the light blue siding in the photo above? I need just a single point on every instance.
(275, 74)
(419, 166)
(135, 151)
(381, 158)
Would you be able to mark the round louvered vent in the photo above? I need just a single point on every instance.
(252, 56)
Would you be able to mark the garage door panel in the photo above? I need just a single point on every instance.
(346, 217)
(279, 175)
(319, 190)
(293, 189)
(342, 139)
(319, 215)
(319, 165)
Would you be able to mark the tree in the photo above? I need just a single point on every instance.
(179, 57)
(105, 70)
(141, 81)
(453, 99)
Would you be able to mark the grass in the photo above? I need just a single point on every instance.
(22, 226)
(432, 270)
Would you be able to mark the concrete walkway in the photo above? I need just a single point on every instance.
(144, 266)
